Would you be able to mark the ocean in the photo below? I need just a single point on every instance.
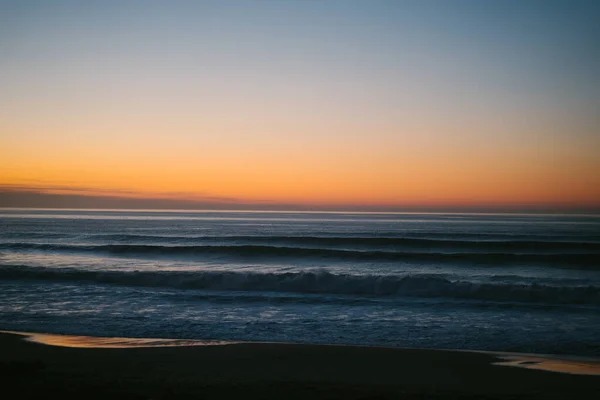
(501, 282)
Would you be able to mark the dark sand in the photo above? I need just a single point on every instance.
(272, 371)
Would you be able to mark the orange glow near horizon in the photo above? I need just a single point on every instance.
(346, 175)
(352, 178)
(398, 169)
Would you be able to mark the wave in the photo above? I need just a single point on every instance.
(265, 252)
(321, 282)
(34, 235)
(490, 244)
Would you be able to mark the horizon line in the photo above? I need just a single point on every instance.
(299, 211)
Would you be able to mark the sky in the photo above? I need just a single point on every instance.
(308, 104)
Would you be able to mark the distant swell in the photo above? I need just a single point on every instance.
(321, 282)
(265, 252)
(477, 242)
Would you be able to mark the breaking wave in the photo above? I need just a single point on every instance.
(321, 282)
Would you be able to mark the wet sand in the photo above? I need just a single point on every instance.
(273, 371)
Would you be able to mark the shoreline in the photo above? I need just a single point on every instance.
(569, 364)
(273, 370)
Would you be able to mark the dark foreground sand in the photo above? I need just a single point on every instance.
(272, 371)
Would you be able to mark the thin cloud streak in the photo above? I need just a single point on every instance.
(21, 196)
(112, 193)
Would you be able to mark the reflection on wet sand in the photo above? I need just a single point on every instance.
(113, 342)
(555, 363)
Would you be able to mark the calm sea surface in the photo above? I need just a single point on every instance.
(526, 283)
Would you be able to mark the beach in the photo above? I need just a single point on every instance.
(270, 371)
